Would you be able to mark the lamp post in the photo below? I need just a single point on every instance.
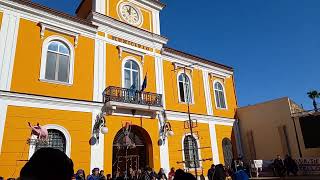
(190, 122)
(165, 131)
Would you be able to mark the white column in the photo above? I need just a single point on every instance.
(97, 150)
(156, 21)
(3, 114)
(99, 84)
(164, 150)
(99, 6)
(160, 79)
(214, 145)
(207, 92)
(8, 42)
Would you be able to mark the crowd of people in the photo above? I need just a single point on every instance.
(285, 167)
(52, 164)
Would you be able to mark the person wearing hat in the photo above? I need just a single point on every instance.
(94, 175)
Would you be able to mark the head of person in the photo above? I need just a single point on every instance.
(172, 169)
(179, 172)
(49, 163)
(108, 176)
(278, 156)
(95, 171)
(80, 173)
(212, 166)
(102, 172)
(161, 171)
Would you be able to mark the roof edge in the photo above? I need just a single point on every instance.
(196, 58)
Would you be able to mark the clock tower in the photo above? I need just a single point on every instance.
(143, 14)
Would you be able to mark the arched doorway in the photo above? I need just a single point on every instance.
(132, 148)
(227, 151)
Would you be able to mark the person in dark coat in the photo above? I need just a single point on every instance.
(162, 175)
(49, 164)
(291, 165)
(211, 172)
(219, 173)
(279, 166)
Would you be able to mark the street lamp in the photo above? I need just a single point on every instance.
(165, 131)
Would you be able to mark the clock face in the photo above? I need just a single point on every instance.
(130, 14)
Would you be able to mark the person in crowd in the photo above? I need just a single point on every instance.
(154, 175)
(101, 175)
(1, 178)
(290, 165)
(219, 173)
(138, 175)
(48, 164)
(94, 175)
(147, 174)
(181, 175)
(211, 172)
(279, 166)
(109, 177)
(162, 175)
(80, 175)
(171, 173)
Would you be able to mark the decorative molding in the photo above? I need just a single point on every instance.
(181, 116)
(155, 4)
(109, 23)
(207, 92)
(27, 100)
(45, 26)
(97, 150)
(8, 35)
(129, 50)
(38, 15)
(3, 115)
(99, 84)
(214, 144)
(202, 66)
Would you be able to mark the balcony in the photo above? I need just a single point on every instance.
(123, 98)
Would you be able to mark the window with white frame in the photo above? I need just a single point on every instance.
(131, 75)
(191, 154)
(184, 88)
(58, 62)
(219, 95)
(56, 140)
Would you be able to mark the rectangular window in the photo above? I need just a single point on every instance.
(51, 66)
(182, 99)
(63, 73)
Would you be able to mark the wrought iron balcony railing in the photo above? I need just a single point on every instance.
(125, 95)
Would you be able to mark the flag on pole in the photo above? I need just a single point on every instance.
(144, 84)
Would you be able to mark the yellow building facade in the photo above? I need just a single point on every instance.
(108, 69)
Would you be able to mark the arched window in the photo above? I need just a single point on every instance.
(58, 62)
(56, 140)
(219, 95)
(184, 88)
(131, 75)
(191, 155)
(227, 151)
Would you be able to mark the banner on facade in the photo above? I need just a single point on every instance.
(309, 166)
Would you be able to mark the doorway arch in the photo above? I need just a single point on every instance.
(136, 150)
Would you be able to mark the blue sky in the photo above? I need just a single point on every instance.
(273, 45)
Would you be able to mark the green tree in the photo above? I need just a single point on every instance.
(314, 95)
